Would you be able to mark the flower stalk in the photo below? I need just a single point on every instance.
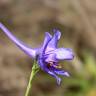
(35, 69)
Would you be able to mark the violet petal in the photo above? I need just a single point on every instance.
(54, 75)
(51, 57)
(62, 72)
(57, 32)
(53, 42)
(45, 43)
(64, 54)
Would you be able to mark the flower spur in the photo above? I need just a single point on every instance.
(48, 55)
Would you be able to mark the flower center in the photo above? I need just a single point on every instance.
(53, 64)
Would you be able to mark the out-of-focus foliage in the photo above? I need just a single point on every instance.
(28, 20)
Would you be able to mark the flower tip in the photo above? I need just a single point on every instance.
(59, 81)
(48, 35)
(57, 33)
(67, 74)
(72, 56)
(1, 24)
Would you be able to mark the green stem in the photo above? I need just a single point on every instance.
(35, 69)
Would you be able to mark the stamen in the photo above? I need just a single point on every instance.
(55, 66)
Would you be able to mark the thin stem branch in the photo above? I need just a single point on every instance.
(35, 69)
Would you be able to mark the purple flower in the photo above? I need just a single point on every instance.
(48, 56)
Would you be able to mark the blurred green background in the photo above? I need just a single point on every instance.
(28, 20)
